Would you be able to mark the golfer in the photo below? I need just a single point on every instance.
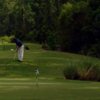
(19, 49)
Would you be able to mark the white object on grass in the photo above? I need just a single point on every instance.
(12, 49)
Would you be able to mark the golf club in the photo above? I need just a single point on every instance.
(14, 56)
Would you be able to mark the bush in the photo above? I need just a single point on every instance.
(6, 38)
(71, 73)
(83, 71)
(88, 71)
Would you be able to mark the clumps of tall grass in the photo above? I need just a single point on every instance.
(84, 70)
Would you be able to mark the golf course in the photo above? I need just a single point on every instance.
(18, 80)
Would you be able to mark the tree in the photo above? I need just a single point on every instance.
(23, 17)
(72, 19)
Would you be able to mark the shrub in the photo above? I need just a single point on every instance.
(87, 71)
(7, 38)
(83, 71)
(71, 72)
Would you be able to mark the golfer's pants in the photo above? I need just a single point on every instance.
(21, 53)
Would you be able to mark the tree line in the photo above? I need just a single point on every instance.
(73, 25)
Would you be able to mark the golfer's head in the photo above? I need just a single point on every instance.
(14, 39)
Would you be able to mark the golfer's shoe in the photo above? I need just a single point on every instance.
(19, 61)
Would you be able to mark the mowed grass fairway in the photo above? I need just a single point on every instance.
(18, 80)
(26, 89)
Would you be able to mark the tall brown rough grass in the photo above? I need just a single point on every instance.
(82, 71)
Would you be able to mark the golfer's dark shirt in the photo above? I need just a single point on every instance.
(19, 43)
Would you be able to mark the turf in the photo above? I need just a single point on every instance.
(50, 63)
(48, 89)
(18, 80)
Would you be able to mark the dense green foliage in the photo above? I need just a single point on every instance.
(79, 26)
(74, 25)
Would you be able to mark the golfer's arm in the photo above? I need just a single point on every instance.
(17, 47)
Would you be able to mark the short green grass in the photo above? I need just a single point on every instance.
(18, 80)
(48, 89)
